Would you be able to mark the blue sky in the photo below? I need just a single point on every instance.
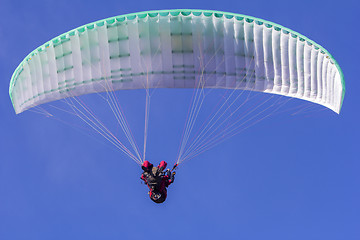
(288, 177)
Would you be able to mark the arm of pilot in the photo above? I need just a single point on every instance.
(143, 178)
(169, 177)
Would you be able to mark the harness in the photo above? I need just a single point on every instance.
(153, 178)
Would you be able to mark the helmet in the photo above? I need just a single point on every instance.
(157, 197)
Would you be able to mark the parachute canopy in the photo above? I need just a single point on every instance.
(173, 48)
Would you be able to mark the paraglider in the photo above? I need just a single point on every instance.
(157, 180)
(237, 52)
(187, 49)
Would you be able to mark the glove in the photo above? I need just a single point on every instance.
(172, 176)
(168, 173)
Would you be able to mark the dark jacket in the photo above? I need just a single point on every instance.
(152, 178)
